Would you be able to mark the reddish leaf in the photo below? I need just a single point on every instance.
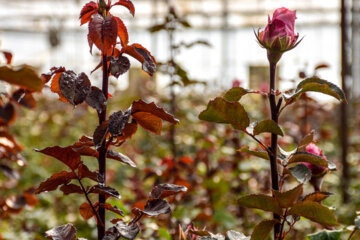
(96, 99)
(87, 11)
(118, 121)
(126, 3)
(55, 86)
(154, 207)
(84, 141)
(148, 121)
(317, 196)
(142, 55)
(86, 151)
(119, 66)
(54, 181)
(71, 188)
(47, 76)
(129, 130)
(65, 232)
(122, 32)
(7, 113)
(262, 230)
(324, 65)
(85, 172)
(122, 229)
(141, 106)
(31, 199)
(288, 198)
(74, 88)
(105, 190)
(8, 56)
(165, 190)
(24, 98)
(66, 155)
(86, 211)
(23, 76)
(111, 208)
(102, 32)
(120, 157)
(100, 134)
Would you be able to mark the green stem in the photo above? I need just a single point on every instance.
(274, 143)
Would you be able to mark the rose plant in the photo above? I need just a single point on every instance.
(109, 34)
(305, 163)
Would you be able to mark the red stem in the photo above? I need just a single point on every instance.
(102, 153)
(274, 142)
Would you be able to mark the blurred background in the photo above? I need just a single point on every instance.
(47, 33)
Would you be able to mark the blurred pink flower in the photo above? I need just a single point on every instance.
(317, 172)
(237, 83)
(279, 34)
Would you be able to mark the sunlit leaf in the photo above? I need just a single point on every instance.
(260, 201)
(221, 111)
(122, 32)
(23, 76)
(65, 154)
(87, 11)
(141, 106)
(263, 229)
(86, 211)
(8, 56)
(317, 196)
(102, 32)
(142, 55)
(126, 3)
(268, 126)
(149, 122)
(315, 212)
(233, 235)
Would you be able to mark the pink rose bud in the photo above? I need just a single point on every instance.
(317, 172)
(237, 83)
(279, 35)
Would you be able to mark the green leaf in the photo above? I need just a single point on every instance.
(315, 212)
(221, 111)
(325, 235)
(23, 76)
(309, 158)
(301, 172)
(315, 84)
(235, 93)
(268, 126)
(262, 230)
(288, 198)
(260, 201)
(260, 154)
